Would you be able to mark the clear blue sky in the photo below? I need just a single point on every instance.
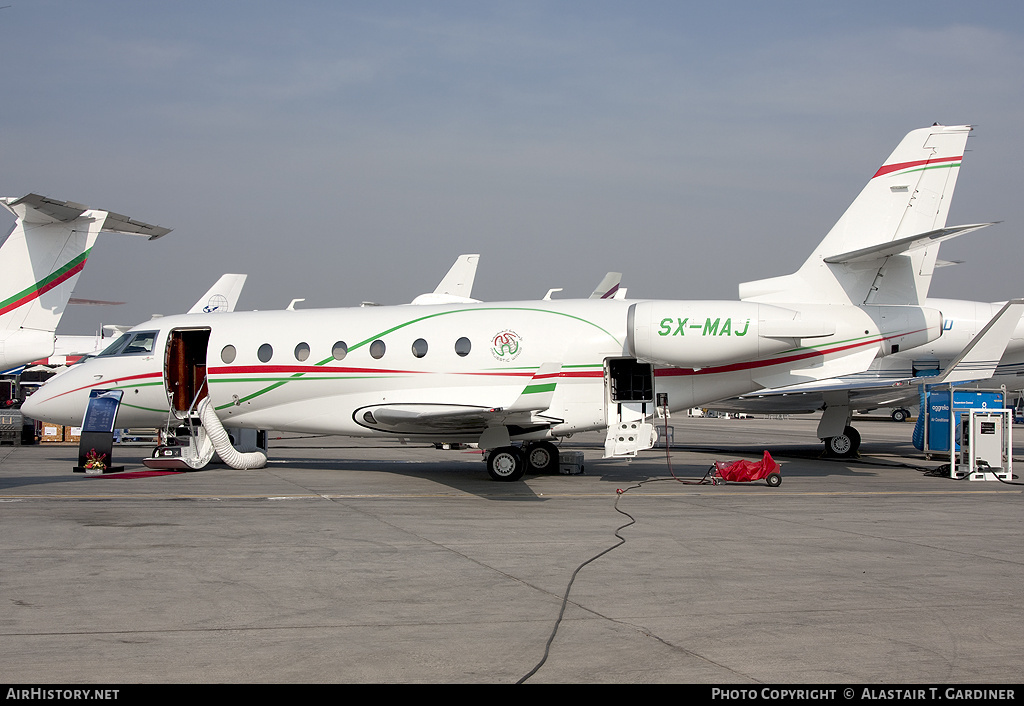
(344, 151)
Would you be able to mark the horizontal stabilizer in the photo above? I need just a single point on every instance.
(41, 210)
(116, 223)
(904, 245)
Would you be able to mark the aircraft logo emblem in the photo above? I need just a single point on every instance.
(506, 346)
(218, 302)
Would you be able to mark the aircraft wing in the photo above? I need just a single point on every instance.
(456, 419)
(977, 361)
(979, 358)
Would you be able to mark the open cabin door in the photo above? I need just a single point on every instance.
(185, 370)
(629, 406)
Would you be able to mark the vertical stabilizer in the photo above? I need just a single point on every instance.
(221, 297)
(909, 195)
(608, 287)
(457, 285)
(43, 256)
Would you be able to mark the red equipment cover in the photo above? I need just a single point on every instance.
(744, 471)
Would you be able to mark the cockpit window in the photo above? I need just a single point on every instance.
(140, 343)
(114, 347)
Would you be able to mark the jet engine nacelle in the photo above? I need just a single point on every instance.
(903, 327)
(24, 345)
(696, 334)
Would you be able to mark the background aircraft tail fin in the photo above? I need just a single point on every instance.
(457, 285)
(908, 196)
(221, 297)
(44, 254)
(608, 287)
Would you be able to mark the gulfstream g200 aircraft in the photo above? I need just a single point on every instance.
(513, 376)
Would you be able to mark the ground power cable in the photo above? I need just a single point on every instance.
(619, 492)
(568, 588)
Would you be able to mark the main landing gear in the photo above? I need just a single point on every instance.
(510, 463)
(844, 445)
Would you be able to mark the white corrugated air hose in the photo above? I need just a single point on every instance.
(222, 442)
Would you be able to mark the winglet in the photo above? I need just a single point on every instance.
(536, 396)
(979, 358)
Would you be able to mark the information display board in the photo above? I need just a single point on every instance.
(96, 445)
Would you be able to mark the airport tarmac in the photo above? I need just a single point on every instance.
(369, 561)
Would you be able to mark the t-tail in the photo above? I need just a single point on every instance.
(883, 249)
(43, 256)
(221, 297)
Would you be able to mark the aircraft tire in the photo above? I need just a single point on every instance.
(506, 463)
(844, 445)
(900, 415)
(542, 457)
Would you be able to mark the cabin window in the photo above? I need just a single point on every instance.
(301, 351)
(462, 347)
(340, 350)
(419, 348)
(265, 353)
(227, 354)
(377, 349)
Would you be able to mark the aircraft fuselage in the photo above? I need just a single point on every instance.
(321, 371)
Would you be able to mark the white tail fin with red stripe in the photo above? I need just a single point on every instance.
(908, 196)
(43, 256)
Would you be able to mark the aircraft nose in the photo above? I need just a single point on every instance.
(55, 403)
(30, 407)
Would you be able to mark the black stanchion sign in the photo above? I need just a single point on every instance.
(96, 445)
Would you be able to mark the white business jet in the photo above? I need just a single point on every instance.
(43, 256)
(514, 376)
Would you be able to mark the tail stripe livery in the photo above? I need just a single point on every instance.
(43, 256)
(940, 163)
(45, 285)
(908, 196)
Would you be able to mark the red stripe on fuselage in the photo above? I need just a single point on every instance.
(101, 383)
